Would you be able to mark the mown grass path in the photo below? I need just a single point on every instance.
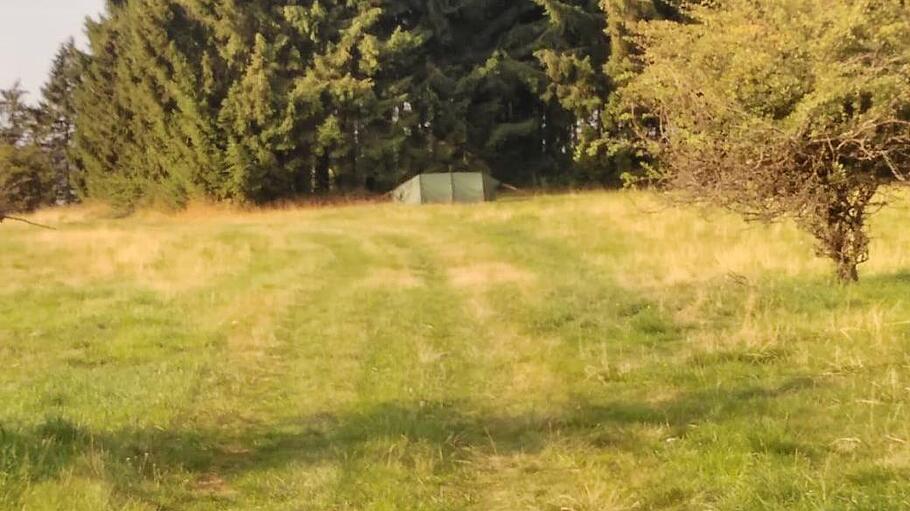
(582, 352)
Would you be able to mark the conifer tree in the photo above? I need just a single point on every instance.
(56, 116)
(102, 133)
(15, 115)
(25, 172)
(263, 99)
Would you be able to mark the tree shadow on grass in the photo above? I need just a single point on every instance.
(455, 430)
(900, 279)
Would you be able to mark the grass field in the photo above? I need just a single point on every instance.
(599, 351)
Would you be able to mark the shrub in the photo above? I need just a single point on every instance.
(26, 179)
(781, 108)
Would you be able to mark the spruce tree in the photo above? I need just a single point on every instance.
(25, 173)
(586, 75)
(16, 116)
(102, 134)
(56, 116)
(264, 99)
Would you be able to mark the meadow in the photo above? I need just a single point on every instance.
(593, 351)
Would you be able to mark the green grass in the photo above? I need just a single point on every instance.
(579, 352)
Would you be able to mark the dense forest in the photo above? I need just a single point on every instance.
(261, 100)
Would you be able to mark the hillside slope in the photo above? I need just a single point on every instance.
(580, 352)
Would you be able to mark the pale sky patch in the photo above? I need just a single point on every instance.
(31, 31)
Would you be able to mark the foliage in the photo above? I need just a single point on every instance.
(584, 74)
(26, 178)
(15, 116)
(55, 118)
(807, 118)
(265, 100)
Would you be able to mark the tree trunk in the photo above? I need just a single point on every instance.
(323, 177)
(356, 179)
(846, 271)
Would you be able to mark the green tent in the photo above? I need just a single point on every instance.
(447, 188)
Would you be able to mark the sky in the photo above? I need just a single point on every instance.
(31, 32)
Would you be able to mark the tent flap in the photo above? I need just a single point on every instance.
(409, 192)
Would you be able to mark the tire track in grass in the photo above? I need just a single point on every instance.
(633, 401)
(156, 454)
(514, 382)
(398, 439)
(189, 460)
(544, 338)
(370, 372)
(402, 387)
(280, 361)
(505, 448)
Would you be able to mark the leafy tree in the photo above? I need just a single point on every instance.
(426, 108)
(268, 127)
(806, 119)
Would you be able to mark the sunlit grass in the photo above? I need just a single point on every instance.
(595, 351)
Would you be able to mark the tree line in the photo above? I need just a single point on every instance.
(772, 108)
(261, 100)
(36, 166)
